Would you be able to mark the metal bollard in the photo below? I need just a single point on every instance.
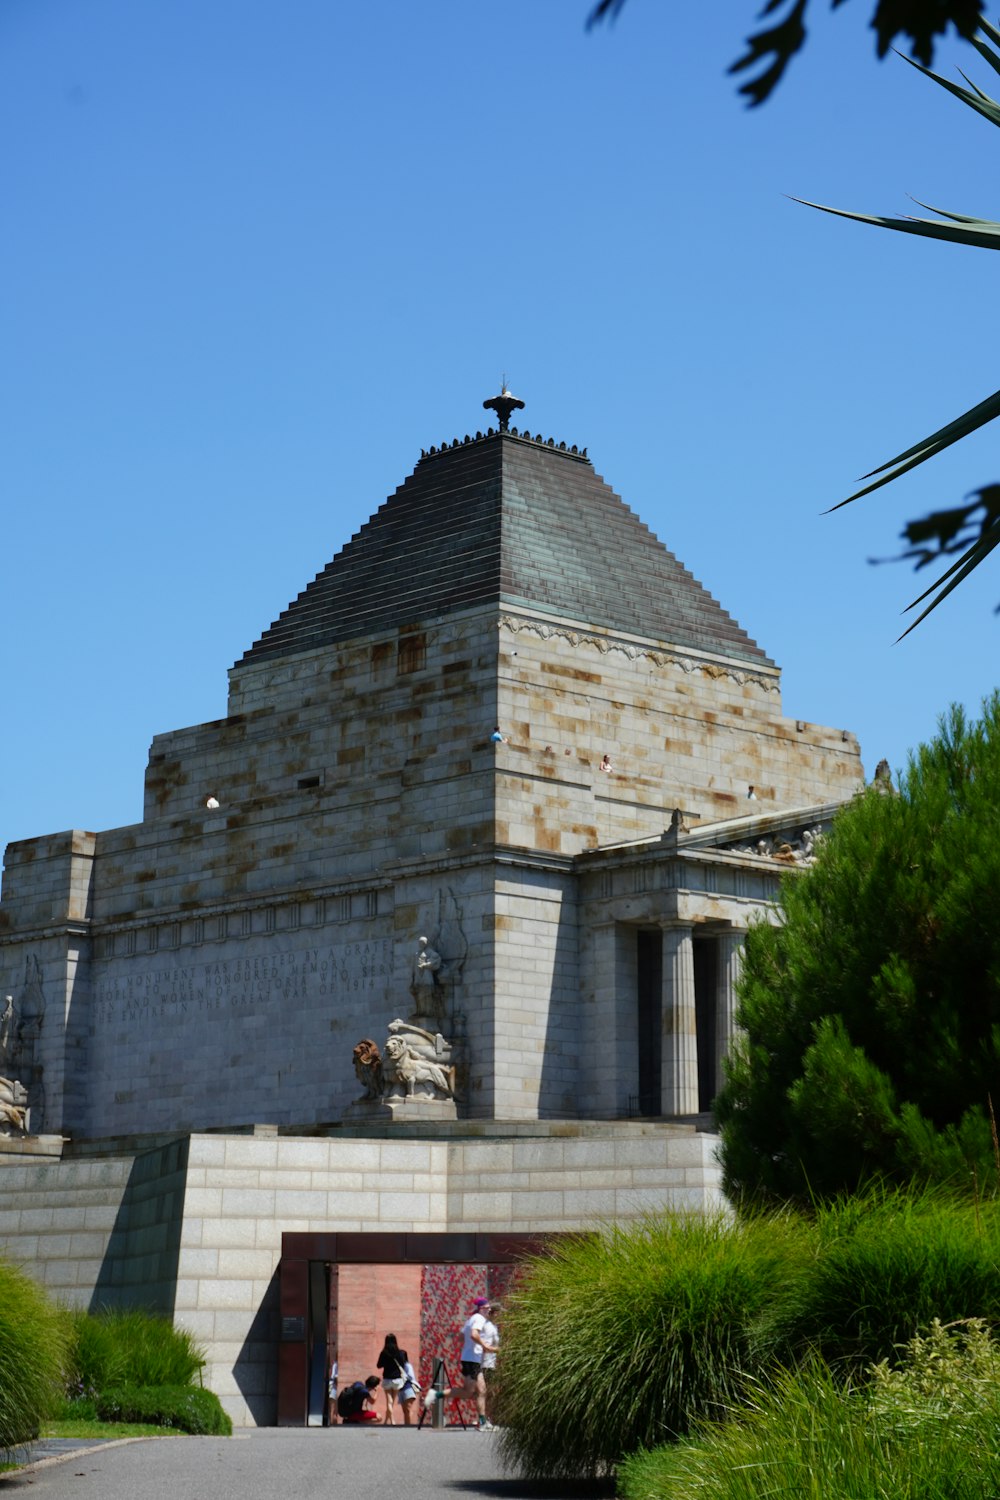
(438, 1382)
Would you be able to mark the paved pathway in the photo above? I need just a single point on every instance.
(281, 1463)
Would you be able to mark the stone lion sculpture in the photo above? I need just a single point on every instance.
(407, 1067)
(13, 1111)
(368, 1068)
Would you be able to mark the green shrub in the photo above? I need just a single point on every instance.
(33, 1339)
(930, 1431)
(618, 1340)
(129, 1346)
(96, 1357)
(188, 1408)
(887, 1263)
(946, 1373)
(76, 1409)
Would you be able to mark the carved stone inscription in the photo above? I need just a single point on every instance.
(124, 994)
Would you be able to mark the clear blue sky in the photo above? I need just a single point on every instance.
(254, 256)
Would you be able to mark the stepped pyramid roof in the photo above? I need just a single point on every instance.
(507, 519)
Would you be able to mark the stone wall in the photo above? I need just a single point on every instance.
(681, 729)
(214, 967)
(194, 1226)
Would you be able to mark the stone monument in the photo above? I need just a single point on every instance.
(198, 998)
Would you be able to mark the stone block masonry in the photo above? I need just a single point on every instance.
(192, 1227)
(195, 984)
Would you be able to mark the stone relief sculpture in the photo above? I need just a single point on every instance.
(787, 850)
(420, 1066)
(416, 1059)
(439, 960)
(6, 1023)
(426, 966)
(811, 840)
(416, 1064)
(22, 1091)
(13, 1108)
(13, 1094)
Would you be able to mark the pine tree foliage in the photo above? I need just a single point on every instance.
(870, 1013)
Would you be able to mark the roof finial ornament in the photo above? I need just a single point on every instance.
(503, 405)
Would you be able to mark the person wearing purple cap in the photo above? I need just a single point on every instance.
(474, 1346)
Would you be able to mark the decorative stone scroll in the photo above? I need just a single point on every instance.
(769, 681)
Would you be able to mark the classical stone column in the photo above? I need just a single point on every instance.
(730, 958)
(610, 1022)
(679, 1095)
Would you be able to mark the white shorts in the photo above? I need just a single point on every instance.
(394, 1385)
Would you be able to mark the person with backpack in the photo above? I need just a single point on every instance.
(355, 1402)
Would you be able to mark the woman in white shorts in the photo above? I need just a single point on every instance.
(392, 1362)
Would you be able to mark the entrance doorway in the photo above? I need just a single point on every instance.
(341, 1293)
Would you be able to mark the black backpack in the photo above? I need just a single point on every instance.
(351, 1399)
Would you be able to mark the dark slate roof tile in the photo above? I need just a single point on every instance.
(503, 518)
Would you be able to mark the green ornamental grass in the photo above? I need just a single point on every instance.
(33, 1346)
(619, 1340)
(130, 1346)
(631, 1338)
(927, 1431)
(886, 1263)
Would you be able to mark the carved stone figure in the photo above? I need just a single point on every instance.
(417, 1061)
(368, 1068)
(6, 1024)
(786, 851)
(438, 962)
(882, 780)
(13, 1108)
(406, 1068)
(811, 840)
(426, 965)
(26, 1043)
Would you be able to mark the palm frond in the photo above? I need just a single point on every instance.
(962, 229)
(956, 574)
(928, 447)
(959, 229)
(974, 97)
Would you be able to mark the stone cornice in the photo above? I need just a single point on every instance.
(635, 648)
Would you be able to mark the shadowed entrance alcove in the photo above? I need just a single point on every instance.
(341, 1293)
